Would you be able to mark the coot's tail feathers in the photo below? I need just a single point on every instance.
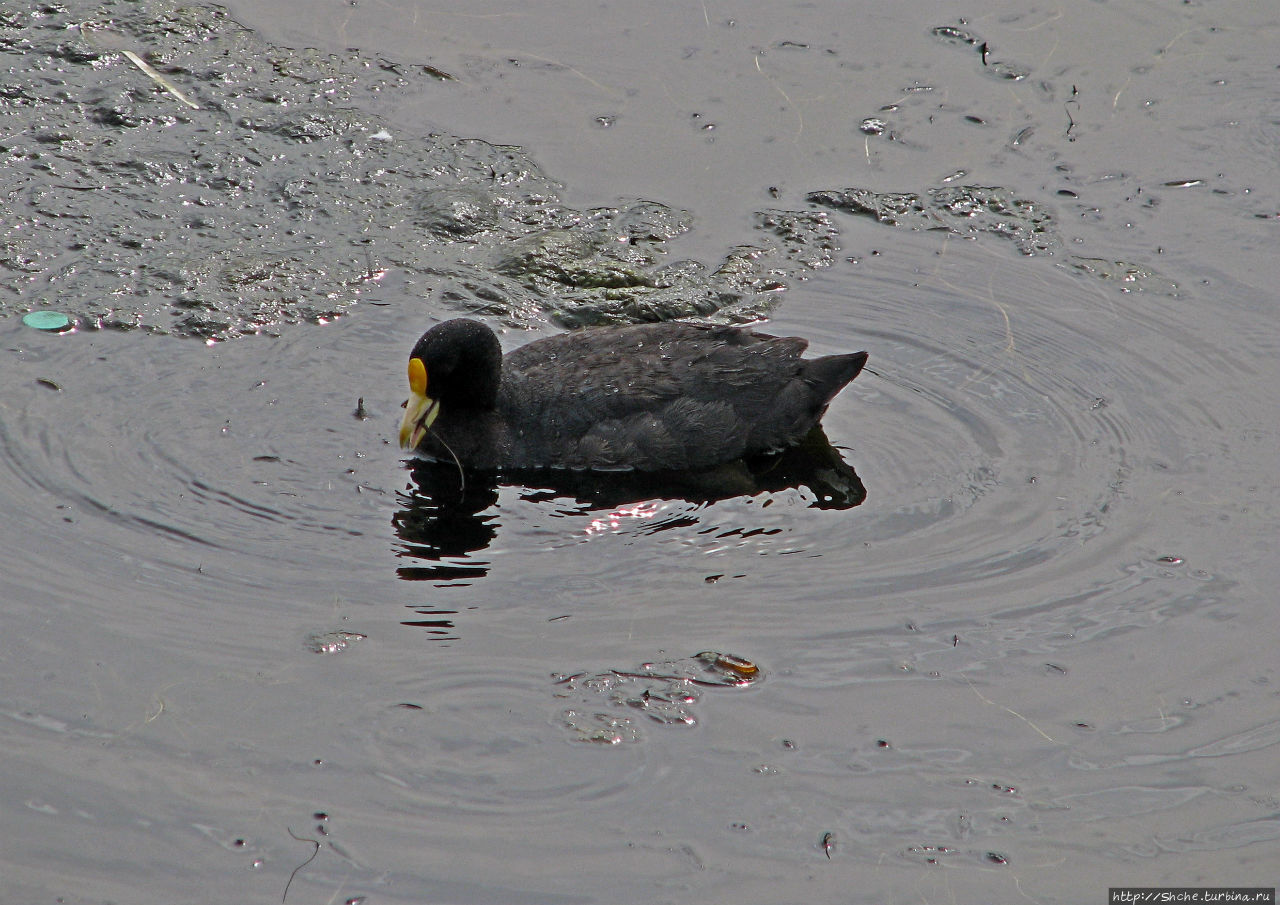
(832, 373)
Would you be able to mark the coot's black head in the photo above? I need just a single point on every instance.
(455, 366)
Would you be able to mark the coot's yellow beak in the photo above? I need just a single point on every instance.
(420, 409)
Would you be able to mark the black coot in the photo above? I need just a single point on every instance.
(650, 397)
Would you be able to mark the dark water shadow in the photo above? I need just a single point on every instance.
(447, 520)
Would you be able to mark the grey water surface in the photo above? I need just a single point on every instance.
(1036, 660)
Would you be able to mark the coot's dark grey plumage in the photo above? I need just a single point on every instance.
(650, 397)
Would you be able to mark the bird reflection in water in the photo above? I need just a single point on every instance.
(448, 519)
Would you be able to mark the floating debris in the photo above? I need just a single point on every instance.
(665, 692)
(974, 211)
(961, 37)
(954, 34)
(729, 663)
(332, 642)
(929, 854)
(158, 78)
(965, 210)
(216, 233)
(49, 321)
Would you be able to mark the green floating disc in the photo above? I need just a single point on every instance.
(47, 320)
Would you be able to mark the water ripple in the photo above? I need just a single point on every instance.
(192, 475)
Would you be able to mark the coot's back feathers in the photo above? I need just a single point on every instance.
(669, 396)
